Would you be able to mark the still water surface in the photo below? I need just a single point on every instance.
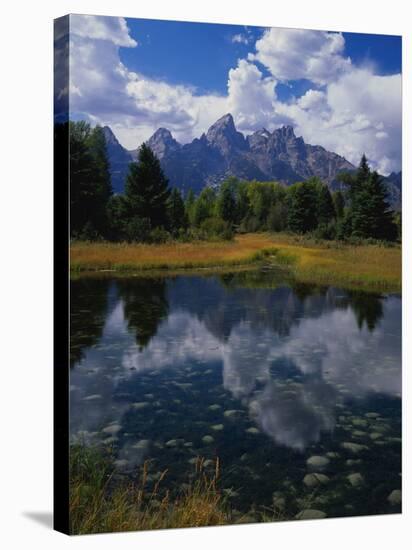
(266, 376)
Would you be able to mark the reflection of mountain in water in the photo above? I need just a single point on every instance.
(223, 307)
(286, 355)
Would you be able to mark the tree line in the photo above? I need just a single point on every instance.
(150, 211)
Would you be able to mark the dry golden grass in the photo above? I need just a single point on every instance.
(175, 255)
(366, 266)
(96, 506)
(369, 266)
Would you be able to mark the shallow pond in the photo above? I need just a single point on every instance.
(296, 388)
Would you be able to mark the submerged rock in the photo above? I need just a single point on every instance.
(140, 406)
(395, 498)
(315, 479)
(207, 439)
(112, 429)
(360, 422)
(317, 461)
(253, 431)
(110, 440)
(353, 447)
(353, 461)
(92, 397)
(311, 514)
(142, 444)
(359, 433)
(232, 413)
(355, 479)
(332, 454)
(217, 427)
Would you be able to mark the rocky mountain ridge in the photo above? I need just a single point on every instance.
(224, 151)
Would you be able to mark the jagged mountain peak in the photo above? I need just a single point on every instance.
(163, 133)
(223, 134)
(109, 136)
(162, 143)
(224, 121)
(287, 132)
(264, 133)
(224, 151)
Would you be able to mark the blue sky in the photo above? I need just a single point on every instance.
(338, 90)
(201, 54)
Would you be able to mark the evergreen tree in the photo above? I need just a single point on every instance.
(339, 203)
(302, 216)
(96, 143)
(368, 215)
(226, 204)
(81, 181)
(190, 206)
(381, 218)
(325, 207)
(146, 189)
(90, 185)
(117, 217)
(176, 212)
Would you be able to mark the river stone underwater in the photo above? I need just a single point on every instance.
(296, 388)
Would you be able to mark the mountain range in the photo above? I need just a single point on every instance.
(224, 151)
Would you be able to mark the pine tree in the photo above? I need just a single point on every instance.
(381, 219)
(190, 205)
(90, 185)
(302, 215)
(339, 203)
(146, 189)
(325, 208)
(176, 212)
(82, 179)
(226, 204)
(368, 215)
(101, 179)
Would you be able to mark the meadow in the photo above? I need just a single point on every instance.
(368, 266)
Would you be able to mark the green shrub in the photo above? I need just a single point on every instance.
(212, 228)
(326, 231)
(138, 229)
(158, 235)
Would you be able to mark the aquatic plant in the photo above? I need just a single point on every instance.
(99, 503)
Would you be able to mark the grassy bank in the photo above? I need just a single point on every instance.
(99, 503)
(364, 266)
(245, 249)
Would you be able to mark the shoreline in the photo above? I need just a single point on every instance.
(369, 267)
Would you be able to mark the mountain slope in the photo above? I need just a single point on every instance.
(119, 159)
(223, 152)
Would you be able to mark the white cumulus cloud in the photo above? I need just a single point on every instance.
(292, 54)
(349, 109)
(113, 29)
